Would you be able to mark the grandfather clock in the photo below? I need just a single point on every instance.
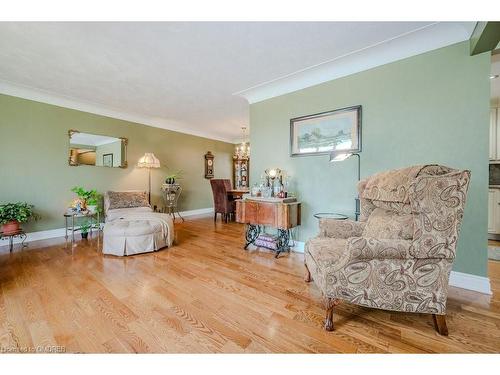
(209, 165)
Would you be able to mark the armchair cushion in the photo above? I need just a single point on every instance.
(438, 204)
(373, 248)
(340, 228)
(326, 251)
(389, 224)
(390, 186)
(340, 269)
(394, 185)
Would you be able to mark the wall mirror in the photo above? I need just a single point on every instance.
(97, 150)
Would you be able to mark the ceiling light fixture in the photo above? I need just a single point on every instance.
(242, 151)
(493, 76)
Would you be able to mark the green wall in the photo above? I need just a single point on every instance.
(34, 159)
(431, 108)
(114, 148)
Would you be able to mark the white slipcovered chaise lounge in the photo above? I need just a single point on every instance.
(131, 225)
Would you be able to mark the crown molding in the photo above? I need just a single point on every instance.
(427, 38)
(43, 96)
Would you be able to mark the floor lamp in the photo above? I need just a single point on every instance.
(149, 161)
(337, 156)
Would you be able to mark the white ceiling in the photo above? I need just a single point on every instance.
(182, 76)
(91, 139)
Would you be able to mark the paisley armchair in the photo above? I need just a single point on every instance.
(399, 255)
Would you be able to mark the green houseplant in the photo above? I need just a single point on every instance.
(170, 179)
(12, 214)
(84, 228)
(94, 202)
(90, 198)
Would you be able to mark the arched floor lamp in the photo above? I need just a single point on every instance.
(337, 156)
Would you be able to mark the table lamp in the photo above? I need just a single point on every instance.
(273, 173)
(149, 161)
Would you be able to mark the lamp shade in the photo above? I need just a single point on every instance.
(273, 172)
(149, 160)
(341, 156)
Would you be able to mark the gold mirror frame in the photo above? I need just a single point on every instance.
(124, 145)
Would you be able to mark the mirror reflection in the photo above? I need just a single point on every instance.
(96, 150)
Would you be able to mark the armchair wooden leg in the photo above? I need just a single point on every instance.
(307, 277)
(330, 303)
(215, 217)
(440, 324)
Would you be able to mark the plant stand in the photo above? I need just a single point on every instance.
(11, 235)
(171, 194)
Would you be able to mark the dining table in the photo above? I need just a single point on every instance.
(237, 193)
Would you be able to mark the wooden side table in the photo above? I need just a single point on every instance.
(282, 216)
(11, 235)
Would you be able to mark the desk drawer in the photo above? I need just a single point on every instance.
(267, 214)
(251, 212)
(256, 213)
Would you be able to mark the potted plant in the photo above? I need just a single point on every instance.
(89, 198)
(12, 214)
(170, 179)
(93, 203)
(84, 228)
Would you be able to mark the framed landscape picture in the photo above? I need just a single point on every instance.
(322, 133)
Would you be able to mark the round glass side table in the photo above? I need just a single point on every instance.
(71, 219)
(330, 215)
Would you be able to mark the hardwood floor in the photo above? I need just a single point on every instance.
(493, 243)
(208, 295)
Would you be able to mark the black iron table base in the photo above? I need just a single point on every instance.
(251, 234)
(283, 240)
(21, 234)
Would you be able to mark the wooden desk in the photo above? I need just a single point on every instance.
(282, 216)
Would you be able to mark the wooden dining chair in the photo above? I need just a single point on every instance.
(223, 204)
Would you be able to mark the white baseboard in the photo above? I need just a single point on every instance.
(200, 211)
(61, 232)
(298, 246)
(37, 236)
(468, 281)
(462, 280)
